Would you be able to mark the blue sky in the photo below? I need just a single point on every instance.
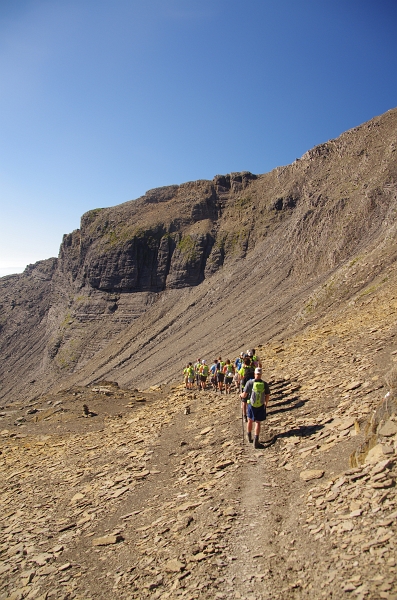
(101, 101)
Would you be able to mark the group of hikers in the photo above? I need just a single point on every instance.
(245, 375)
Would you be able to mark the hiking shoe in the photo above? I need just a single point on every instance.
(249, 435)
(257, 443)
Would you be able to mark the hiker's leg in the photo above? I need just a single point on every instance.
(244, 409)
(249, 430)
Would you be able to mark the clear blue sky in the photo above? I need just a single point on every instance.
(101, 101)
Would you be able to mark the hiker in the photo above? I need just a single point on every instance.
(213, 374)
(246, 373)
(236, 380)
(197, 366)
(220, 376)
(190, 376)
(203, 374)
(256, 393)
(185, 375)
(255, 359)
(228, 370)
(238, 363)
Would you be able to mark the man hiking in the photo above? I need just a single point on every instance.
(213, 368)
(255, 359)
(246, 373)
(238, 363)
(197, 366)
(256, 393)
(228, 370)
(204, 370)
(220, 375)
(190, 376)
(186, 376)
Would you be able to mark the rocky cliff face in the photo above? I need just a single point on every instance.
(204, 265)
(161, 241)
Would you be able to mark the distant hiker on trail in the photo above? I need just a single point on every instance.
(220, 376)
(254, 358)
(256, 393)
(190, 376)
(197, 366)
(204, 370)
(237, 381)
(185, 375)
(238, 363)
(246, 373)
(213, 374)
(228, 370)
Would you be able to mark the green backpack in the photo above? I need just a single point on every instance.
(258, 394)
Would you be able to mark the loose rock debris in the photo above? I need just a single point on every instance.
(160, 504)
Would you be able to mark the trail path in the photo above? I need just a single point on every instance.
(148, 502)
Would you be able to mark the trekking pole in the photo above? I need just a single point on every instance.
(242, 423)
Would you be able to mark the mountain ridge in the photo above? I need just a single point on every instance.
(188, 250)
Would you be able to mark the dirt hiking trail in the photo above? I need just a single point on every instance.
(145, 501)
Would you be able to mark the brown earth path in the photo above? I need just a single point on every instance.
(218, 520)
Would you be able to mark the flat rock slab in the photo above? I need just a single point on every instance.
(380, 467)
(141, 475)
(41, 559)
(77, 497)
(224, 464)
(388, 429)
(353, 386)
(311, 474)
(199, 557)
(188, 506)
(174, 566)
(374, 455)
(346, 424)
(205, 431)
(107, 540)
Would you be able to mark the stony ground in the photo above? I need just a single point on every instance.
(132, 498)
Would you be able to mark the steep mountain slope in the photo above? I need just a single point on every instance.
(204, 267)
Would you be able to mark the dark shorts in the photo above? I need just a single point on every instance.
(228, 380)
(256, 414)
(203, 378)
(220, 376)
